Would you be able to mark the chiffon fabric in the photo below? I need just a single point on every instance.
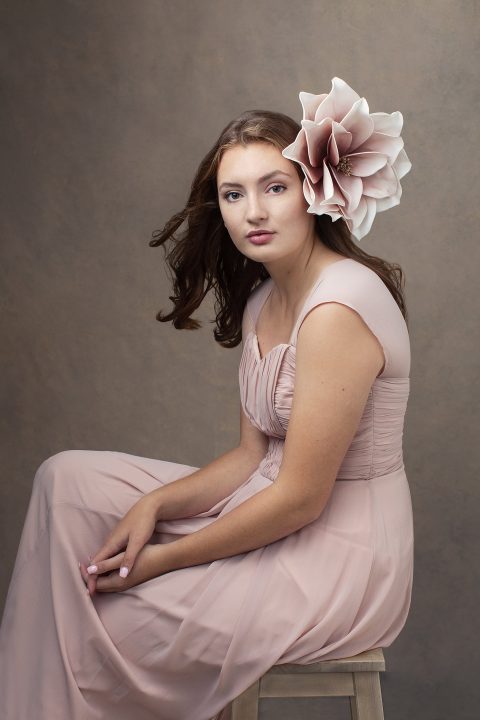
(183, 645)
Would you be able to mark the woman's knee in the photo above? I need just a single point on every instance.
(62, 469)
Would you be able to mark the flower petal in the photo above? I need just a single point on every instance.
(367, 163)
(331, 190)
(308, 191)
(402, 164)
(382, 184)
(381, 143)
(310, 104)
(388, 123)
(362, 228)
(390, 201)
(351, 188)
(338, 143)
(358, 214)
(298, 152)
(316, 136)
(318, 203)
(338, 101)
(359, 123)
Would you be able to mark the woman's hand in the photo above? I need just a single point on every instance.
(132, 532)
(148, 565)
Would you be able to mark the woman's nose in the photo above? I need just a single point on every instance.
(255, 209)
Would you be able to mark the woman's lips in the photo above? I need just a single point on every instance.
(260, 239)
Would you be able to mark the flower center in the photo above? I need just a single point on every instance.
(345, 165)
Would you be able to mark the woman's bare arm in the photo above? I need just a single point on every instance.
(203, 488)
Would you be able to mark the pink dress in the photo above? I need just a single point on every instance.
(183, 645)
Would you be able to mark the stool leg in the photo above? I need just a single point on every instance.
(367, 704)
(353, 708)
(245, 706)
(225, 714)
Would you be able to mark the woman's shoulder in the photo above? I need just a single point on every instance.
(352, 280)
(359, 287)
(350, 270)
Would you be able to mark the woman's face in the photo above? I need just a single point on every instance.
(249, 201)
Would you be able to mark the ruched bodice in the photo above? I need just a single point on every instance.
(266, 391)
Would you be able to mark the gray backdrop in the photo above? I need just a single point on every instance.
(107, 108)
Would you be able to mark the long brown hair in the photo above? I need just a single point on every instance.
(203, 257)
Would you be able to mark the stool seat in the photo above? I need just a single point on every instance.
(356, 677)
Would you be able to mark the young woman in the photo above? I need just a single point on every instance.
(297, 544)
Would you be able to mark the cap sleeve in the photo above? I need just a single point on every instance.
(357, 286)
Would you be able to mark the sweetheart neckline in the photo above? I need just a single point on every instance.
(275, 347)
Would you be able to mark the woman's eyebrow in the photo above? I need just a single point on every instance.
(260, 180)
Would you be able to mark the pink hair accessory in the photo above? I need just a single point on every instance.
(352, 159)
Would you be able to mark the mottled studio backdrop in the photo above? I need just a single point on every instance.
(107, 107)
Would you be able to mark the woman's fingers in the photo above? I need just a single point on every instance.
(89, 580)
(103, 566)
(134, 546)
(131, 533)
(112, 546)
(128, 559)
(147, 566)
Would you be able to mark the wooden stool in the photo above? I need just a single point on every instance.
(355, 677)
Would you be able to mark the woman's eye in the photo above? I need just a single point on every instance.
(277, 186)
(231, 192)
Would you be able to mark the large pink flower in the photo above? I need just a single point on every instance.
(352, 159)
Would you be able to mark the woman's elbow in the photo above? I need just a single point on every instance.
(303, 500)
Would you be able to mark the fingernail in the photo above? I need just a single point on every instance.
(92, 569)
(124, 571)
